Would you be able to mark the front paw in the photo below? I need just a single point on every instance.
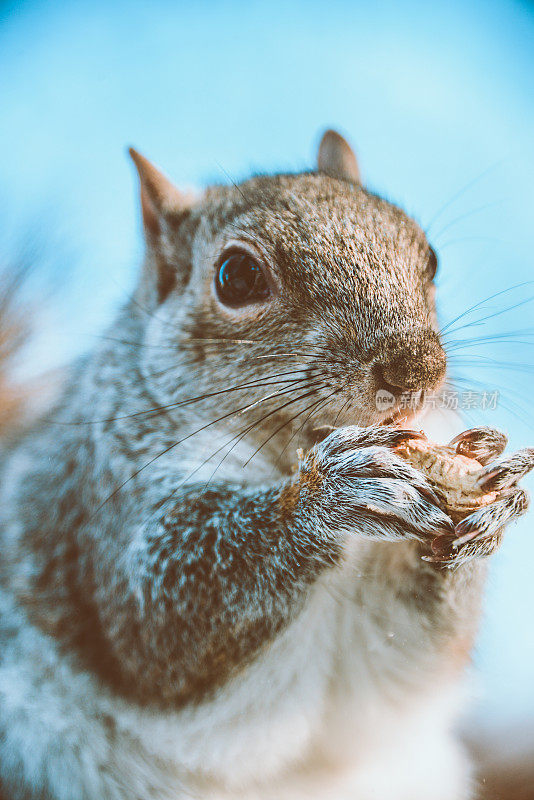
(354, 482)
(480, 533)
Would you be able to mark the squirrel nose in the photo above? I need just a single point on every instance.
(416, 365)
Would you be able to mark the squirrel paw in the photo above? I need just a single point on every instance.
(352, 481)
(480, 533)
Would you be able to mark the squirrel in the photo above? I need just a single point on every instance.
(187, 610)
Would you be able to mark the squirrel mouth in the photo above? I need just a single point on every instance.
(401, 418)
(402, 415)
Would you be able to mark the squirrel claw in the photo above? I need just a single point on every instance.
(321, 432)
(442, 544)
(507, 471)
(484, 444)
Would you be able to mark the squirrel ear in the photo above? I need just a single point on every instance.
(158, 195)
(336, 157)
(163, 207)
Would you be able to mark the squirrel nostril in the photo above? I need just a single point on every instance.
(382, 381)
(413, 368)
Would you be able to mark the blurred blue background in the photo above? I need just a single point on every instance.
(438, 99)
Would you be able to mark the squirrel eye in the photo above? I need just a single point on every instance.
(431, 264)
(240, 280)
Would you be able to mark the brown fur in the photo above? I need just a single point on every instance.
(308, 480)
(12, 335)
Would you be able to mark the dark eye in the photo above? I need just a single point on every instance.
(431, 265)
(240, 280)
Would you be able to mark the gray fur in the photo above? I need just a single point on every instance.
(160, 571)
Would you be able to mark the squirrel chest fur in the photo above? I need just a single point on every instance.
(184, 610)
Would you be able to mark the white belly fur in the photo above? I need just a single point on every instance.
(306, 720)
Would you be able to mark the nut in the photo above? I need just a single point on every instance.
(452, 476)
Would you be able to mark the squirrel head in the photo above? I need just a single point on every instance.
(308, 277)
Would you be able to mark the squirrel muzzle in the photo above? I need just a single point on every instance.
(418, 364)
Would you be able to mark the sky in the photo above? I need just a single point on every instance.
(438, 100)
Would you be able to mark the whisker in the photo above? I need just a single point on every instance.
(493, 315)
(321, 404)
(493, 340)
(461, 217)
(255, 424)
(174, 346)
(175, 444)
(278, 431)
(343, 407)
(484, 362)
(234, 184)
(481, 302)
(451, 385)
(273, 394)
(459, 194)
(191, 400)
(463, 239)
(150, 313)
(270, 355)
(467, 379)
(496, 338)
(185, 342)
(511, 406)
(238, 437)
